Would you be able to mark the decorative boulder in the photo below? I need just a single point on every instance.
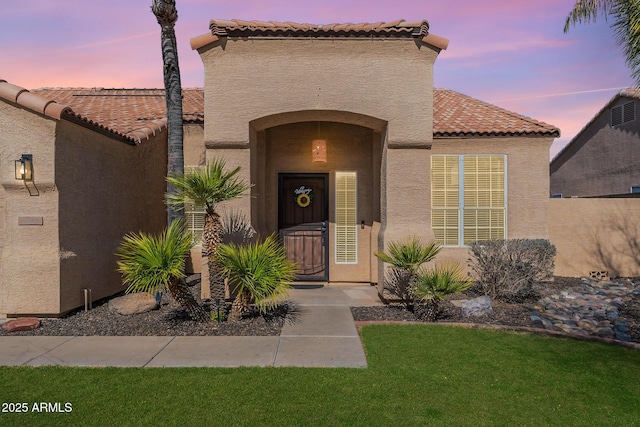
(133, 303)
(21, 324)
(480, 306)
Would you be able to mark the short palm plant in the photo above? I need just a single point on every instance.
(433, 285)
(153, 264)
(209, 187)
(405, 258)
(259, 273)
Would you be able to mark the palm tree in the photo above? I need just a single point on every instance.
(432, 286)
(167, 15)
(208, 187)
(156, 263)
(260, 274)
(626, 25)
(405, 258)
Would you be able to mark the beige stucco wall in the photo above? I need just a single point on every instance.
(106, 189)
(527, 184)
(193, 144)
(88, 191)
(249, 79)
(596, 235)
(29, 256)
(367, 82)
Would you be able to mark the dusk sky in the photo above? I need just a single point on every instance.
(512, 53)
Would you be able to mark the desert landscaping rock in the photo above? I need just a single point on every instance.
(588, 309)
(21, 324)
(139, 302)
(475, 307)
(169, 320)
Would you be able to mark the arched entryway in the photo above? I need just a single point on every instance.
(326, 211)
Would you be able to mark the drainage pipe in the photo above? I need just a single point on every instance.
(87, 299)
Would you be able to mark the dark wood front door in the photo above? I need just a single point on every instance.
(303, 216)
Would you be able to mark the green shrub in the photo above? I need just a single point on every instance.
(259, 273)
(508, 269)
(433, 285)
(405, 258)
(154, 263)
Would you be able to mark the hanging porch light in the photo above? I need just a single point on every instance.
(319, 150)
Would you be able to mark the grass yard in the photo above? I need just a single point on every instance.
(418, 375)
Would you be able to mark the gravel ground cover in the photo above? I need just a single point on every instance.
(171, 320)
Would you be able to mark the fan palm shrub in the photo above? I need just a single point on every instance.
(259, 273)
(208, 187)
(150, 263)
(405, 258)
(433, 285)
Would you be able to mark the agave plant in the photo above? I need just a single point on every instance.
(405, 258)
(259, 274)
(433, 285)
(153, 264)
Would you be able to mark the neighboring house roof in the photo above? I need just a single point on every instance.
(137, 113)
(458, 116)
(633, 93)
(396, 29)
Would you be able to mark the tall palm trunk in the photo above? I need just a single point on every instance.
(211, 239)
(181, 293)
(167, 15)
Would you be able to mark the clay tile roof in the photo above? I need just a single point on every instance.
(456, 115)
(240, 28)
(32, 101)
(131, 114)
(137, 114)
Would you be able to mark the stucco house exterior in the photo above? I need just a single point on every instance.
(603, 158)
(339, 128)
(93, 179)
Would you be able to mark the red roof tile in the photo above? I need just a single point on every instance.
(240, 28)
(134, 114)
(395, 29)
(24, 98)
(456, 115)
(138, 113)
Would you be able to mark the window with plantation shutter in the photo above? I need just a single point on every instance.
(445, 199)
(479, 213)
(193, 214)
(346, 239)
(194, 217)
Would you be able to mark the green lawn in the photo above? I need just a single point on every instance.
(418, 375)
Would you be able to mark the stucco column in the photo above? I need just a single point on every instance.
(405, 197)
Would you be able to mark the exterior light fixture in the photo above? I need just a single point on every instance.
(24, 168)
(319, 150)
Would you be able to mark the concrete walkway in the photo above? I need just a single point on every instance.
(323, 334)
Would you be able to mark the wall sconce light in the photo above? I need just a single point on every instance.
(24, 168)
(319, 150)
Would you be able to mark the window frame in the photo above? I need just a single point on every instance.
(461, 194)
(191, 210)
(338, 228)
